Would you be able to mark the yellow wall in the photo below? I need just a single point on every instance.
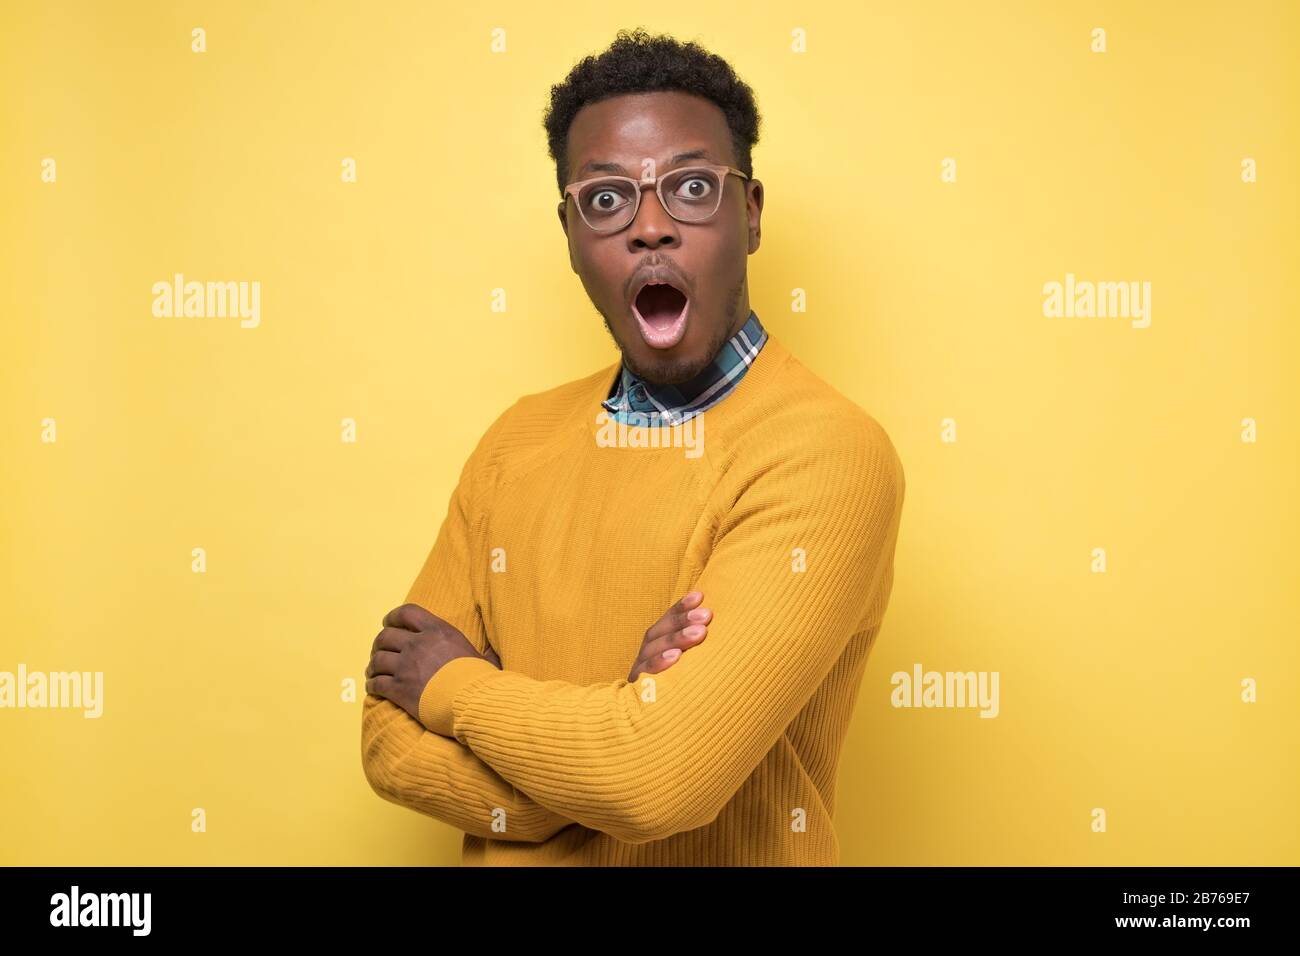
(925, 299)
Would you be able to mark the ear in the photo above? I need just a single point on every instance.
(754, 208)
(564, 224)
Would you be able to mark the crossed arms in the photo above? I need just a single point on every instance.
(530, 749)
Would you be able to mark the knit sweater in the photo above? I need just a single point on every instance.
(560, 551)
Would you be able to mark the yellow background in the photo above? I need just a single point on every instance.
(222, 690)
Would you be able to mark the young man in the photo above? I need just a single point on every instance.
(500, 698)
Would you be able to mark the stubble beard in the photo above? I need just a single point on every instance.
(674, 372)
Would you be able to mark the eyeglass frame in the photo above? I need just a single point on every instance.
(639, 185)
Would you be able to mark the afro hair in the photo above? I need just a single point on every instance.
(637, 62)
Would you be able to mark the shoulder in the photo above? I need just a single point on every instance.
(809, 457)
(536, 417)
(814, 427)
(562, 399)
(532, 424)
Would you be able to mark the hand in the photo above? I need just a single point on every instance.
(410, 649)
(683, 626)
(415, 618)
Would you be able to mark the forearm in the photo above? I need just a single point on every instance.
(441, 778)
(432, 774)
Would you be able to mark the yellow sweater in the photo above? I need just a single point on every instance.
(560, 551)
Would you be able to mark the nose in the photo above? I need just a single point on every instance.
(653, 227)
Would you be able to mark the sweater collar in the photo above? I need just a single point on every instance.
(671, 404)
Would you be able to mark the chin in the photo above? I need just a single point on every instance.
(661, 368)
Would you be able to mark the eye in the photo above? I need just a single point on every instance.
(605, 200)
(695, 187)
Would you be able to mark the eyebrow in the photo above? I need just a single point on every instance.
(616, 168)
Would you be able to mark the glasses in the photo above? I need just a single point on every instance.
(609, 203)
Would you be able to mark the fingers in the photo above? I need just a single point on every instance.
(660, 654)
(675, 618)
(385, 652)
(656, 663)
(382, 686)
(412, 617)
(390, 639)
(694, 628)
(383, 662)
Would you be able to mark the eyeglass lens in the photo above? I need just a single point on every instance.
(691, 195)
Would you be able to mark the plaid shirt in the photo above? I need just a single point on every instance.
(673, 404)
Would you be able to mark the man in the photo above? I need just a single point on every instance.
(500, 698)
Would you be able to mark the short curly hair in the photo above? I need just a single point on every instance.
(637, 62)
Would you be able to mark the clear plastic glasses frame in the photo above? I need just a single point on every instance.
(683, 209)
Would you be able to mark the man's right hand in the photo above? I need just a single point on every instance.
(683, 626)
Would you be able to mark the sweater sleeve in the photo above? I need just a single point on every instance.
(802, 560)
(433, 774)
(442, 778)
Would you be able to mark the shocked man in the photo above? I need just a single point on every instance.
(618, 653)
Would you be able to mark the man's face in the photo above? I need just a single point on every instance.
(706, 260)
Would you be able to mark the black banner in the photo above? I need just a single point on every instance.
(347, 904)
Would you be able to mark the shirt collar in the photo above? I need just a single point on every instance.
(672, 404)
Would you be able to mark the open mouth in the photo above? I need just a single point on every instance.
(660, 310)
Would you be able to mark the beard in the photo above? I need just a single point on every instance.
(676, 371)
